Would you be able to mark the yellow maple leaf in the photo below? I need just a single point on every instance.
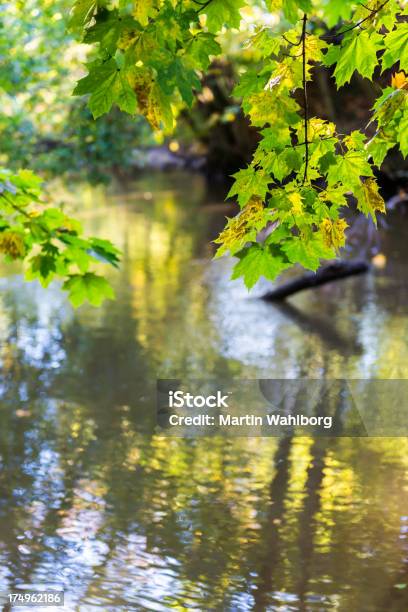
(252, 217)
(297, 203)
(399, 80)
(12, 244)
(369, 200)
(143, 9)
(149, 99)
(314, 46)
(373, 197)
(333, 233)
(320, 127)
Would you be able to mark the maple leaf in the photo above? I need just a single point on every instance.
(333, 233)
(399, 80)
(297, 203)
(359, 53)
(307, 252)
(396, 44)
(143, 9)
(88, 287)
(248, 183)
(12, 244)
(369, 201)
(220, 12)
(257, 261)
(348, 169)
(243, 228)
(403, 133)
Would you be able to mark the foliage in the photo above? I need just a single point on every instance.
(50, 243)
(303, 173)
(35, 95)
(148, 57)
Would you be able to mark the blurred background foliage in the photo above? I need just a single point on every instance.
(41, 125)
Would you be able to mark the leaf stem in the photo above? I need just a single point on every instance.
(16, 207)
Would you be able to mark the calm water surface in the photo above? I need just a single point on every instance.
(91, 498)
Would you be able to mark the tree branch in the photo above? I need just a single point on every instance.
(305, 99)
(327, 274)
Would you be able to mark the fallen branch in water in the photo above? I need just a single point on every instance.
(327, 274)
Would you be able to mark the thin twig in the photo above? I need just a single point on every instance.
(367, 8)
(23, 212)
(357, 25)
(292, 44)
(300, 144)
(289, 55)
(16, 206)
(203, 6)
(305, 100)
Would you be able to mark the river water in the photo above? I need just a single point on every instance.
(94, 500)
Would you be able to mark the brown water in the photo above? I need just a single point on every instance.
(91, 498)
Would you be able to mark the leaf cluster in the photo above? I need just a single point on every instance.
(303, 174)
(50, 244)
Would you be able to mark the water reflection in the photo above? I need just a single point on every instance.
(91, 498)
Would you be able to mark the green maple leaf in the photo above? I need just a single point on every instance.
(105, 251)
(101, 99)
(332, 55)
(107, 29)
(123, 94)
(42, 267)
(143, 9)
(273, 163)
(335, 197)
(277, 135)
(98, 73)
(107, 84)
(358, 52)
(251, 82)
(248, 183)
(396, 44)
(307, 253)
(348, 169)
(267, 42)
(221, 12)
(378, 148)
(88, 287)
(403, 133)
(266, 106)
(257, 261)
(176, 74)
(201, 47)
(291, 9)
(336, 10)
(82, 13)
